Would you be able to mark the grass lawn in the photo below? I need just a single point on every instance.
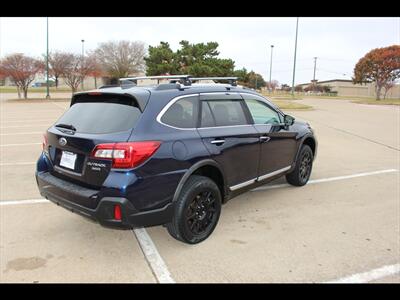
(376, 102)
(288, 104)
(361, 100)
(39, 100)
(13, 89)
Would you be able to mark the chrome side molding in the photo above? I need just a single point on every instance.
(260, 178)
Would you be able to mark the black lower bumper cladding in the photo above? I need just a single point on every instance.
(85, 202)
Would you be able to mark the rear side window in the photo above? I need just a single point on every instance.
(228, 112)
(101, 117)
(183, 113)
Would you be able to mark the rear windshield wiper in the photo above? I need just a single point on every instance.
(66, 126)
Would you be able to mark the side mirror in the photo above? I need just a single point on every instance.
(288, 120)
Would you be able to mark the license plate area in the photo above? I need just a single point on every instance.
(79, 162)
(68, 160)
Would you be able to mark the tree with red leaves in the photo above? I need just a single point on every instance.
(22, 70)
(381, 65)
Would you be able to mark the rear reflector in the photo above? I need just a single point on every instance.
(126, 155)
(117, 212)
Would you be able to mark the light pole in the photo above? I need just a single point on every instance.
(294, 61)
(47, 59)
(315, 65)
(270, 69)
(83, 56)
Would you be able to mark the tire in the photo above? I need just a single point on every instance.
(302, 171)
(196, 211)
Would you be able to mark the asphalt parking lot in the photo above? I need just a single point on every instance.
(346, 222)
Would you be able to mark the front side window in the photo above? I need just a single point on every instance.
(262, 113)
(183, 113)
(227, 112)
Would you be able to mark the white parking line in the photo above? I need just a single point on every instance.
(21, 202)
(20, 133)
(16, 113)
(25, 121)
(153, 257)
(24, 144)
(369, 275)
(267, 187)
(162, 274)
(21, 126)
(18, 163)
(328, 179)
(60, 106)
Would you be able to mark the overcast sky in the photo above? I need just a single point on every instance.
(337, 42)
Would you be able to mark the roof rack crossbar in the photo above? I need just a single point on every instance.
(231, 80)
(182, 78)
(186, 80)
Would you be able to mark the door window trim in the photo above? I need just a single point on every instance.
(243, 103)
(169, 104)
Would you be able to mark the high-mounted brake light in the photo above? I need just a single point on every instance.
(126, 155)
(94, 93)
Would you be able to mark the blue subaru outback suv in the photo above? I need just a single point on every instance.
(169, 154)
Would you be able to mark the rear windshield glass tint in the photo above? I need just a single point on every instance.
(100, 117)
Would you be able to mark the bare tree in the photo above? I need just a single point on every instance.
(272, 85)
(58, 63)
(77, 69)
(96, 71)
(22, 70)
(387, 86)
(121, 59)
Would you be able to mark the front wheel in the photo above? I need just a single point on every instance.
(301, 173)
(197, 210)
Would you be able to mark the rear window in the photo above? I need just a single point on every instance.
(101, 117)
(183, 113)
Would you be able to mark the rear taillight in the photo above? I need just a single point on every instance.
(126, 155)
(45, 142)
(117, 212)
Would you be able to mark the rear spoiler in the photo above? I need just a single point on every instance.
(139, 100)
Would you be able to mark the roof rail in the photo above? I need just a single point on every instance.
(184, 79)
(180, 80)
(108, 86)
(231, 80)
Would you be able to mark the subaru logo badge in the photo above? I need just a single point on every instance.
(62, 141)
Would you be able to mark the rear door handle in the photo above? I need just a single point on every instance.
(264, 138)
(220, 141)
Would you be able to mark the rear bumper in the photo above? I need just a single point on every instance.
(86, 203)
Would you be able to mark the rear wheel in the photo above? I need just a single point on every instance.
(301, 173)
(197, 210)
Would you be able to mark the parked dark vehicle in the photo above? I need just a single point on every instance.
(169, 154)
